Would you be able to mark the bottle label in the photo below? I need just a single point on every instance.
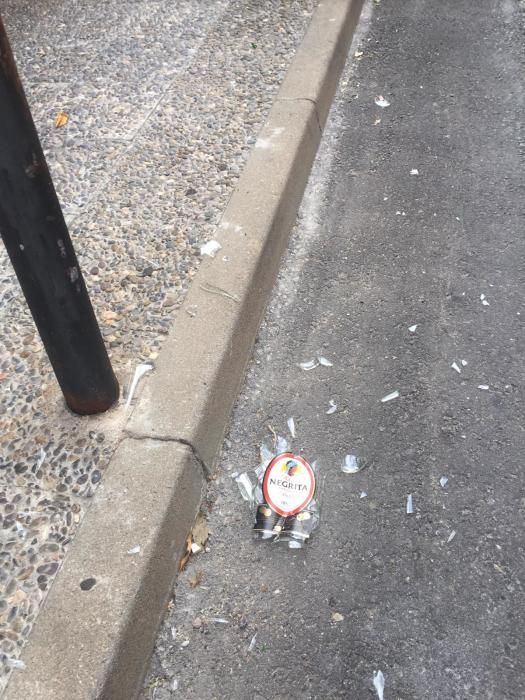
(289, 484)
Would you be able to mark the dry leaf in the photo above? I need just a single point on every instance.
(196, 580)
(61, 119)
(108, 315)
(187, 554)
(197, 538)
(200, 532)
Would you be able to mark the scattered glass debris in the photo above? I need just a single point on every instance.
(484, 300)
(464, 363)
(443, 481)
(483, 387)
(41, 458)
(211, 248)
(379, 684)
(381, 101)
(281, 445)
(219, 621)
(414, 171)
(410, 504)
(337, 617)
(310, 364)
(389, 397)
(363, 494)
(195, 548)
(358, 54)
(352, 464)
(291, 427)
(140, 371)
(333, 407)
(413, 328)
(185, 643)
(451, 536)
(251, 646)
(377, 121)
(283, 492)
(456, 367)
(134, 550)
(11, 662)
(245, 485)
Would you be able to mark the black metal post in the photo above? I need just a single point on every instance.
(37, 241)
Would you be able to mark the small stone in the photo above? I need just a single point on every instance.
(88, 583)
(170, 300)
(48, 569)
(337, 617)
(25, 573)
(19, 597)
(197, 623)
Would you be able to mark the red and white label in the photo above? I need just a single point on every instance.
(289, 484)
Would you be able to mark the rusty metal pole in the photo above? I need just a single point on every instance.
(38, 243)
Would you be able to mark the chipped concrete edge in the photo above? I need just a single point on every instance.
(97, 643)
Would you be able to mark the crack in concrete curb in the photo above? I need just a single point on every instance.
(304, 99)
(207, 472)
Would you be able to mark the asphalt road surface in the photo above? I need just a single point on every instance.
(377, 251)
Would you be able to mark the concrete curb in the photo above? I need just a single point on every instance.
(97, 643)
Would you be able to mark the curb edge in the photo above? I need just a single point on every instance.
(103, 650)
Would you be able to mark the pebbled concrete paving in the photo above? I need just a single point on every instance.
(164, 101)
(376, 251)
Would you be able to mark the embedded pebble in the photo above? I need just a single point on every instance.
(88, 583)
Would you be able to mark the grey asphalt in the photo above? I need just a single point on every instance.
(375, 251)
